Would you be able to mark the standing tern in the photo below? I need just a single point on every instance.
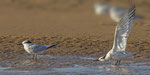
(36, 49)
(118, 51)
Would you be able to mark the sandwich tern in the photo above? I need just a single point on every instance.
(35, 49)
(118, 51)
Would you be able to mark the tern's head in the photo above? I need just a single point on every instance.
(102, 58)
(26, 42)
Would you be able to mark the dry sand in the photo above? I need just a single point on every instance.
(73, 23)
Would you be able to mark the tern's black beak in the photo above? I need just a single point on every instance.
(96, 60)
(19, 44)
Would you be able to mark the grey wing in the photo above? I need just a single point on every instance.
(38, 48)
(122, 30)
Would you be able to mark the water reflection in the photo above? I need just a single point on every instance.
(116, 69)
(67, 65)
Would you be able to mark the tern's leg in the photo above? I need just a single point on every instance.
(36, 56)
(116, 62)
(119, 62)
(33, 56)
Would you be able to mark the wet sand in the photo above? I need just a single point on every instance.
(71, 56)
(79, 31)
(61, 65)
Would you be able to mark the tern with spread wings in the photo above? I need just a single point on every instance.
(118, 51)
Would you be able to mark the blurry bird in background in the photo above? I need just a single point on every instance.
(115, 13)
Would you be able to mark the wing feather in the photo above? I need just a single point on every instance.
(122, 30)
(38, 48)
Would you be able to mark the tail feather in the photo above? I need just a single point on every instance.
(53, 45)
(130, 54)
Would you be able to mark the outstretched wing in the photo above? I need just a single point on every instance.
(122, 30)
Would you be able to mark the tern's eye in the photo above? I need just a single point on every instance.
(28, 42)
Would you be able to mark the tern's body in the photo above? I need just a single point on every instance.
(117, 55)
(118, 52)
(35, 49)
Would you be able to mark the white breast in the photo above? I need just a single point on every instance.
(27, 48)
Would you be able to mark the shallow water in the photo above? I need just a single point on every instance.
(70, 65)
